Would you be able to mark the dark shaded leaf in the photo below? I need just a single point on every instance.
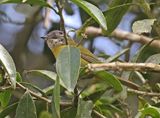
(8, 110)
(115, 13)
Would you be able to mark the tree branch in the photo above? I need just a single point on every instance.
(33, 93)
(125, 66)
(123, 35)
(144, 93)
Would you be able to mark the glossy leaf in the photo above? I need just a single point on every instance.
(5, 97)
(93, 11)
(56, 100)
(84, 109)
(8, 110)
(117, 9)
(143, 26)
(68, 66)
(26, 107)
(9, 65)
(110, 79)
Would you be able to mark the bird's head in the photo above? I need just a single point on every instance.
(54, 38)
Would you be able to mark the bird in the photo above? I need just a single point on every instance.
(56, 42)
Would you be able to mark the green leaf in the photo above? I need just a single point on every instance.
(9, 65)
(47, 74)
(143, 26)
(84, 109)
(68, 66)
(18, 77)
(5, 97)
(29, 85)
(154, 59)
(56, 100)
(117, 55)
(110, 79)
(115, 13)
(26, 107)
(93, 11)
(45, 114)
(8, 110)
(69, 112)
(48, 90)
(151, 111)
(31, 2)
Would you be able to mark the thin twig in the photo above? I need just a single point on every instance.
(143, 93)
(62, 24)
(33, 93)
(98, 114)
(5, 88)
(125, 66)
(64, 104)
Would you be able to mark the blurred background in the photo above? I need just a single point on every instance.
(21, 27)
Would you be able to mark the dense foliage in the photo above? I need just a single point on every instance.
(75, 91)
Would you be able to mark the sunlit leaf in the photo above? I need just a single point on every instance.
(9, 65)
(5, 97)
(93, 11)
(26, 107)
(143, 26)
(68, 66)
(18, 77)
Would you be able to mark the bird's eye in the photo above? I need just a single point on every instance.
(61, 33)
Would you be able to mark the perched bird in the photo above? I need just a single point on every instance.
(56, 42)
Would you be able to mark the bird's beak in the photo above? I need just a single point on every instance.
(44, 37)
